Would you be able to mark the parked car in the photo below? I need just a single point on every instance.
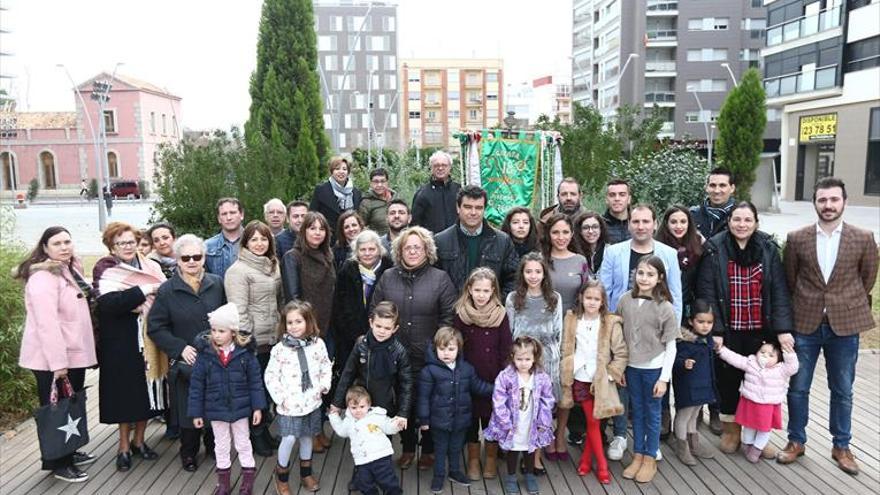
(125, 189)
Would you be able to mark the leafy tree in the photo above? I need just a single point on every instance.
(741, 129)
(286, 125)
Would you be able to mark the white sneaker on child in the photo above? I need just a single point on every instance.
(617, 448)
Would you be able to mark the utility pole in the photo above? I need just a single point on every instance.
(370, 120)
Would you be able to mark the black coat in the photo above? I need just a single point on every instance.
(394, 392)
(713, 284)
(326, 203)
(707, 225)
(696, 386)
(496, 252)
(425, 299)
(225, 393)
(444, 400)
(284, 242)
(176, 319)
(618, 230)
(351, 314)
(433, 205)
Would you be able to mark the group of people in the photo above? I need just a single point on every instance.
(430, 322)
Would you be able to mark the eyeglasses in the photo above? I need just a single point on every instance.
(591, 227)
(186, 258)
(414, 249)
(123, 244)
(379, 181)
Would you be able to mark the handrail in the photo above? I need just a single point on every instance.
(824, 20)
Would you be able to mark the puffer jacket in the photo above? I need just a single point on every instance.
(374, 211)
(253, 283)
(496, 252)
(762, 385)
(225, 393)
(425, 299)
(394, 392)
(713, 284)
(434, 205)
(695, 386)
(618, 230)
(444, 400)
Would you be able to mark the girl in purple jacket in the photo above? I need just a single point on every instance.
(763, 389)
(522, 412)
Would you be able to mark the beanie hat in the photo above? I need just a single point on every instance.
(225, 317)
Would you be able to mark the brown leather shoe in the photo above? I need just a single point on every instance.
(405, 460)
(845, 461)
(790, 453)
(426, 462)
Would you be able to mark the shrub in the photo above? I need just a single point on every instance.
(33, 189)
(93, 189)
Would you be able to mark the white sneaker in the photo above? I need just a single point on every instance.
(617, 448)
(659, 456)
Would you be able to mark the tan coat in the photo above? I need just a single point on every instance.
(611, 361)
(253, 283)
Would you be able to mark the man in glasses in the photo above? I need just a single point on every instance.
(374, 206)
(222, 249)
(434, 204)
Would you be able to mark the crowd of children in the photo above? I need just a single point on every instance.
(507, 372)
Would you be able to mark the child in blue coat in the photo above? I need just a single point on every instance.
(693, 381)
(444, 403)
(226, 388)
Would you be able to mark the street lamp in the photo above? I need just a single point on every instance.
(99, 171)
(370, 119)
(622, 71)
(101, 94)
(705, 126)
(730, 71)
(357, 40)
(587, 79)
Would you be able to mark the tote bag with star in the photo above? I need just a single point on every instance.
(61, 425)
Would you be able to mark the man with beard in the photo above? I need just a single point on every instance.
(831, 267)
(568, 197)
(398, 219)
(711, 216)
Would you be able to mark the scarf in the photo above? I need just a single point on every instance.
(489, 316)
(718, 213)
(194, 282)
(748, 256)
(380, 363)
(368, 278)
(343, 194)
(300, 346)
(120, 277)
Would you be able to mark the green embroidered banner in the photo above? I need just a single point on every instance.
(508, 168)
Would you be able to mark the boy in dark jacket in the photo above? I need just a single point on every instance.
(444, 403)
(226, 388)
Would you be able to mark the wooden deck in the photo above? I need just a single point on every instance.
(815, 473)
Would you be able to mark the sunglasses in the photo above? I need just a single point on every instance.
(186, 258)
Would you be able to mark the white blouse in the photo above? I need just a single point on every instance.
(586, 349)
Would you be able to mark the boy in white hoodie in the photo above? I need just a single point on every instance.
(368, 427)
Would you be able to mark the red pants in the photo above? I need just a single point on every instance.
(592, 442)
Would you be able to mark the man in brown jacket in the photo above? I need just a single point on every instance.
(831, 267)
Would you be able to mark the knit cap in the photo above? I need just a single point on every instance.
(225, 317)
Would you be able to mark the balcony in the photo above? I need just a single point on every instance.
(803, 27)
(667, 130)
(660, 66)
(475, 101)
(432, 82)
(662, 8)
(661, 98)
(801, 84)
(664, 37)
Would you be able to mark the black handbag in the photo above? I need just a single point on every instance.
(62, 426)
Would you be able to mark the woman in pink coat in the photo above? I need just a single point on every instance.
(58, 340)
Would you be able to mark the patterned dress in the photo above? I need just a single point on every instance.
(536, 321)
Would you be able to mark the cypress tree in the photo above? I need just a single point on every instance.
(286, 113)
(741, 126)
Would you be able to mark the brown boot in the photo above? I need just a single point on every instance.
(323, 440)
(307, 480)
(683, 451)
(634, 467)
(647, 471)
(426, 462)
(769, 451)
(845, 460)
(730, 433)
(790, 453)
(698, 449)
(405, 460)
(490, 468)
(473, 461)
(281, 477)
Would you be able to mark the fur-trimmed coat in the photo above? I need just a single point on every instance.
(610, 362)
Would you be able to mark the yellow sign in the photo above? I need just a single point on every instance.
(818, 128)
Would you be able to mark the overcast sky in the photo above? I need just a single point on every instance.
(204, 51)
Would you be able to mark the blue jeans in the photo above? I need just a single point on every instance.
(841, 354)
(619, 422)
(447, 445)
(645, 410)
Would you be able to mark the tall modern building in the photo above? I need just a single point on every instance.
(439, 97)
(357, 61)
(681, 55)
(822, 76)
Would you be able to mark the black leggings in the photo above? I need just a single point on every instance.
(77, 377)
(473, 432)
(528, 458)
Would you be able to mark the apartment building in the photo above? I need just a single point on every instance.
(681, 55)
(357, 61)
(822, 75)
(548, 95)
(439, 97)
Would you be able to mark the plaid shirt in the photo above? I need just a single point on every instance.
(745, 296)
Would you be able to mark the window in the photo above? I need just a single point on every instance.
(382, 101)
(453, 95)
(392, 124)
(389, 23)
(708, 24)
(863, 54)
(454, 115)
(491, 97)
(774, 114)
(415, 115)
(707, 85)
(327, 43)
(335, 23)
(358, 101)
(153, 122)
(10, 177)
(355, 22)
(492, 77)
(754, 24)
(372, 62)
(113, 164)
(413, 78)
(354, 41)
(378, 43)
(348, 119)
(164, 125)
(390, 81)
(342, 140)
(331, 62)
(349, 63)
(328, 121)
(110, 121)
(474, 115)
(389, 62)
(414, 96)
(365, 120)
(707, 54)
(750, 54)
(432, 116)
(872, 168)
(338, 82)
(700, 117)
(47, 167)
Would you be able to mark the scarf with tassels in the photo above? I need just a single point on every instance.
(489, 316)
(344, 194)
(300, 346)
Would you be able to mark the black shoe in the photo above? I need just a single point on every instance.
(145, 452)
(575, 439)
(460, 478)
(539, 471)
(70, 474)
(261, 445)
(123, 461)
(83, 459)
(171, 433)
(189, 464)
